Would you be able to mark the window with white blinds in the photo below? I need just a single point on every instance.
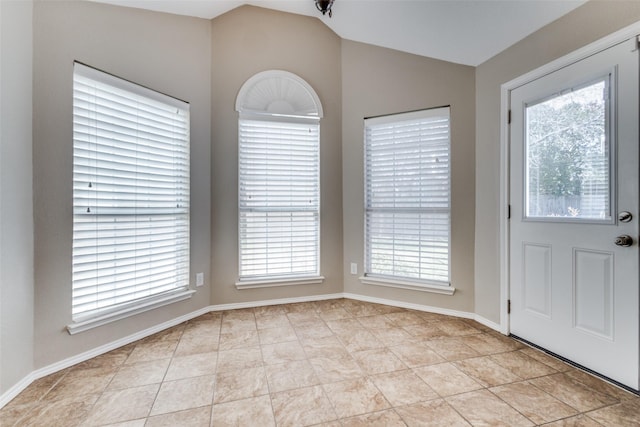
(407, 197)
(279, 199)
(130, 195)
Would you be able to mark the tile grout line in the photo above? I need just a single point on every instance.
(155, 398)
(320, 383)
(215, 376)
(173, 353)
(273, 412)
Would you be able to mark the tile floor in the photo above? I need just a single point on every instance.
(330, 363)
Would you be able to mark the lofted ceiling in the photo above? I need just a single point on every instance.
(462, 31)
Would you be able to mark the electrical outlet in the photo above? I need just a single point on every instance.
(199, 279)
(354, 268)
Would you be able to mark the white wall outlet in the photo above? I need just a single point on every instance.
(199, 279)
(354, 268)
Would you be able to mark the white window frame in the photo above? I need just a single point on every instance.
(276, 101)
(127, 138)
(375, 206)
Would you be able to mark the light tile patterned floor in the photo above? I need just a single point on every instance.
(331, 363)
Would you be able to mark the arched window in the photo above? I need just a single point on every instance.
(278, 180)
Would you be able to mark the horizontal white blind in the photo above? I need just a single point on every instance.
(130, 193)
(407, 188)
(279, 199)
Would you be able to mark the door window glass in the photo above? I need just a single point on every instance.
(568, 155)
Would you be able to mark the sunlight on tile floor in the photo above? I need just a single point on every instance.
(329, 363)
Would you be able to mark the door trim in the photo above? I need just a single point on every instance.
(505, 100)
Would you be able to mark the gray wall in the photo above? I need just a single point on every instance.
(377, 81)
(245, 41)
(16, 207)
(165, 52)
(206, 62)
(584, 25)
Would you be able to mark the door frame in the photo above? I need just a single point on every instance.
(505, 100)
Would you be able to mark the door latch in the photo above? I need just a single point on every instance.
(624, 240)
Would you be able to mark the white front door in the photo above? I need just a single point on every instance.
(574, 285)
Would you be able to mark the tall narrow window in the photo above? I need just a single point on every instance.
(279, 181)
(407, 192)
(130, 196)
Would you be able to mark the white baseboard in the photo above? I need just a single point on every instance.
(489, 324)
(411, 306)
(252, 304)
(430, 309)
(16, 389)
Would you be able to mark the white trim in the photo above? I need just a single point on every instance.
(410, 305)
(293, 300)
(413, 286)
(577, 55)
(606, 42)
(94, 322)
(489, 324)
(503, 211)
(2, 197)
(271, 283)
(17, 388)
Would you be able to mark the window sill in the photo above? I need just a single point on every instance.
(270, 283)
(413, 286)
(94, 322)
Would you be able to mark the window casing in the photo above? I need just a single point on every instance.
(407, 199)
(130, 197)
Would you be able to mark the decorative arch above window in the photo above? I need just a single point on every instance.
(278, 93)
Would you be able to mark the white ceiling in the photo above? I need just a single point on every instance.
(462, 31)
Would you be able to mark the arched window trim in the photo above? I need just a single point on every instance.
(278, 93)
